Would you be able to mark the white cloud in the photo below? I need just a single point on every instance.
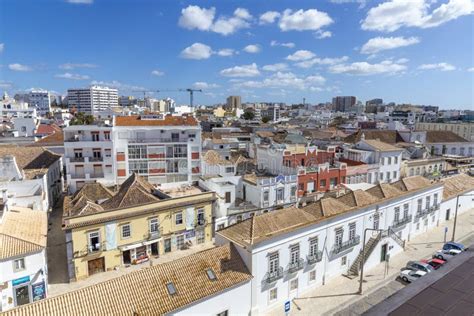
(71, 76)
(195, 17)
(204, 85)
(19, 67)
(378, 44)
(365, 68)
(269, 17)
(402, 61)
(197, 51)
(226, 52)
(321, 61)
(252, 49)
(392, 15)
(80, 1)
(70, 66)
(275, 67)
(288, 45)
(2, 47)
(323, 34)
(5, 84)
(119, 85)
(301, 55)
(241, 71)
(285, 80)
(470, 69)
(361, 3)
(158, 73)
(438, 66)
(309, 20)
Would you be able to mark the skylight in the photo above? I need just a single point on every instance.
(211, 275)
(171, 288)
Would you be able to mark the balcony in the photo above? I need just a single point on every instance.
(76, 159)
(154, 235)
(346, 245)
(97, 175)
(295, 266)
(201, 223)
(274, 275)
(96, 159)
(78, 176)
(159, 140)
(317, 257)
(420, 214)
(400, 222)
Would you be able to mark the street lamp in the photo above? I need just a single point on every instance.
(456, 214)
(363, 257)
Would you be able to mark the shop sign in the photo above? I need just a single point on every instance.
(22, 280)
(39, 291)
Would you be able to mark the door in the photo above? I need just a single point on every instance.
(383, 253)
(96, 265)
(167, 245)
(447, 214)
(154, 249)
(22, 295)
(126, 257)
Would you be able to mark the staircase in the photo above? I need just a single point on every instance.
(395, 237)
(369, 247)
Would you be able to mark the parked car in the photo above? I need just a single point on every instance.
(454, 245)
(435, 262)
(419, 266)
(409, 276)
(446, 254)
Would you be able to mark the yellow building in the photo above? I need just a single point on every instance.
(219, 112)
(106, 230)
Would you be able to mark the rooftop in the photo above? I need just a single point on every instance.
(443, 137)
(30, 158)
(382, 146)
(168, 120)
(183, 190)
(146, 292)
(457, 184)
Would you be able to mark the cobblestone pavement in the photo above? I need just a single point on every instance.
(339, 295)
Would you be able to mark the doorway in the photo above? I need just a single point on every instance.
(154, 249)
(127, 259)
(447, 213)
(383, 253)
(22, 295)
(168, 245)
(96, 265)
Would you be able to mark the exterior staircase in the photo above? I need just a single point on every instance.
(369, 247)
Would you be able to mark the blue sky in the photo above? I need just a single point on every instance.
(417, 51)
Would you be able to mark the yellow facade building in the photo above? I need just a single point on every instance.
(105, 230)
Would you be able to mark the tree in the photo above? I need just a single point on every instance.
(265, 119)
(82, 119)
(248, 115)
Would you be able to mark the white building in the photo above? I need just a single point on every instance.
(448, 143)
(25, 125)
(23, 263)
(269, 191)
(41, 100)
(93, 99)
(294, 250)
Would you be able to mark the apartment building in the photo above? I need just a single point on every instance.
(233, 102)
(448, 143)
(92, 100)
(105, 230)
(294, 250)
(464, 130)
(431, 167)
(41, 100)
(88, 155)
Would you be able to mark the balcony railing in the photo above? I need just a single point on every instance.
(201, 223)
(94, 159)
(97, 175)
(420, 214)
(78, 176)
(346, 245)
(402, 221)
(274, 275)
(295, 266)
(76, 159)
(318, 256)
(159, 140)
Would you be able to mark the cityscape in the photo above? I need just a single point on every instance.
(236, 157)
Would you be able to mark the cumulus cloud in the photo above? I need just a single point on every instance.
(287, 80)
(269, 17)
(365, 68)
(361, 3)
(5, 84)
(226, 52)
(392, 15)
(241, 71)
(2, 47)
(71, 76)
(275, 67)
(71, 66)
(471, 69)
(438, 66)
(322, 34)
(301, 20)
(197, 51)
(321, 61)
(19, 67)
(195, 17)
(252, 49)
(378, 44)
(300, 55)
(288, 45)
(204, 85)
(158, 73)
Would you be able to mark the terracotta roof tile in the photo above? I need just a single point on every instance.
(457, 185)
(213, 158)
(30, 157)
(379, 145)
(443, 137)
(169, 120)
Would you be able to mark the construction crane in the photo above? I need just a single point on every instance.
(191, 94)
(146, 91)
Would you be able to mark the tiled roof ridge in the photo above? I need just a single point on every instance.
(23, 240)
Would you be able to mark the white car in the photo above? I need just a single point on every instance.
(409, 276)
(446, 254)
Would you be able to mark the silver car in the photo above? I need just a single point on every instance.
(409, 276)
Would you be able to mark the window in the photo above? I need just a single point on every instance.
(395, 160)
(352, 230)
(394, 175)
(405, 210)
(273, 294)
(154, 225)
(273, 262)
(266, 196)
(312, 275)
(227, 197)
(343, 261)
(428, 200)
(417, 226)
(200, 237)
(339, 234)
(229, 169)
(293, 191)
(294, 254)
(322, 183)
(388, 175)
(294, 284)
(77, 153)
(95, 136)
(178, 218)
(107, 135)
(140, 166)
(94, 241)
(280, 194)
(126, 231)
(381, 176)
(389, 160)
(420, 206)
(239, 218)
(435, 199)
(137, 152)
(396, 217)
(180, 241)
(200, 217)
(224, 313)
(301, 186)
(376, 220)
(19, 264)
(313, 246)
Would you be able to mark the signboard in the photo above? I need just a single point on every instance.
(22, 280)
(39, 291)
(287, 306)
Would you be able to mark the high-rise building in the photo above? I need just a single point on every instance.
(93, 99)
(234, 102)
(343, 103)
(41, 100)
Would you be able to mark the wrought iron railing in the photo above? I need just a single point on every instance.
(274, 275)
(338, 248)
(402, 221)
(295, 266)
(316, 257)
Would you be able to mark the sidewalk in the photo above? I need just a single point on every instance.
(340, 292)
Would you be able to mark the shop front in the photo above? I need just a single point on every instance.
(26, 290)
(139, 252)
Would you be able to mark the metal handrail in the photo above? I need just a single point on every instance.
(273, 276)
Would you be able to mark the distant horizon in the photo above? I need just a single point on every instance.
(418, 52)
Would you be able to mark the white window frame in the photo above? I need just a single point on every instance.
(290, 285)
(180, 214)
(275, 290)
(312, 276)
(122, 229)
(20, 267)
(153, 225)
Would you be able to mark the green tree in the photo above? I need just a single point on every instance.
(265, 119)
(82, 119)
(248, 115)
